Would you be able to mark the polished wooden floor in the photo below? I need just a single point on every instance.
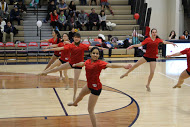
(28, 100)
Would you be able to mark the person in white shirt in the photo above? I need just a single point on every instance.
(102, 19)
(2, 24)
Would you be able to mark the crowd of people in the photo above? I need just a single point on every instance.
(67, 16)
(185, 36)
(6, 18)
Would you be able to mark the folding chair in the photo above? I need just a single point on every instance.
(10, 51)
(22, 51)
(33, 50)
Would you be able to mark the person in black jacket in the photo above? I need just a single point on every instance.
(15, 15)
(50, 9)
(9, 29)
(94, 20)
(72, 7)
(71, 34)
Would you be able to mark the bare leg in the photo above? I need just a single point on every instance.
(152, 69)
(53, 65)
(97, 2)
(53, 58)
(61, 75)
(66, 79)
(75, 81)
(85, 90)
(110, 7)
(183, 76)
(89, 2)
(91, 104)
(102, 7)
(61, 67)
(138, 63)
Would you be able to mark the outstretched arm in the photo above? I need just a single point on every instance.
(110, 65)
(90, 47)
(137, 45)
(45, 40)
(51, 46)
(167, 42)
(81, 64)
(55, 49)
(175, 54)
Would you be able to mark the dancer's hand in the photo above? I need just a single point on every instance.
(128, 66)
(174, 45)
(45, 50)
(130, 47)
(45, 47)
(168, 56)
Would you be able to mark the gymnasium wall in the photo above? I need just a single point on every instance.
(166, 15)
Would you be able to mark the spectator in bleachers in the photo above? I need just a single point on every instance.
(93, 19)
(105, 3)
(54, 19)
(2, 24)
(21, 7)
(4, 8)
(172, 35)
(71, 21)
(72, 7)
(71, 34)
(15, 15)
(186, 34)
(50, 9)
(63, 7)
(95, 1)
(102, 19)
(62, 21)
(8, 29)
(83, 2)
(83, 20)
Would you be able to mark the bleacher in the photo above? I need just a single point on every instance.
(28, 30)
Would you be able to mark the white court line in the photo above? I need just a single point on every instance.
(172, 78)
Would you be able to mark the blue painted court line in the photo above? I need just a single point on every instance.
(60, 102)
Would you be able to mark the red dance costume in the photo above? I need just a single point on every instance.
(56, 53)
(77, 52)
(65, 55)
(187, 52)
(93, 70)
(152, 47)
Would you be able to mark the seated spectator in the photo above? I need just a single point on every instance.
(62, 21)
(186, 34)
(72, 7)
(2, 24)
(71, 21)
(63, 7)
(83, 2)
(102, 19)
(93, 19)
(172, 35)
(105, 3)
(95, 1)
(9, 29)
(15, 15)
(50, 9)
(22, 8)
(54, 19)
(4, 8)
(83, 20)
(71, 34)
